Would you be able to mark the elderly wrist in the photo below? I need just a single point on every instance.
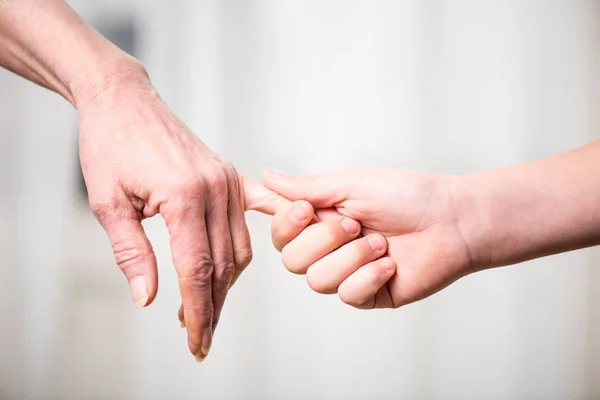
(109, 79)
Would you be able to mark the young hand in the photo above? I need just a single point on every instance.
(408, 247)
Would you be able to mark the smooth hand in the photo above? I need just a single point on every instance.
(409, 245)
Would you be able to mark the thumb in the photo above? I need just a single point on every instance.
(135, 257)
(322, 191)
(259, 198)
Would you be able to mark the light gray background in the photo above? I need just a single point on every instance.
(310, 86)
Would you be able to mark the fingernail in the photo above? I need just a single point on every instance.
(206, 342)
(200, 357)
(183, 323)
(139, 291)
(388, 264)
(300, 212)
(376, 242)
(350, 226)
(275, 173)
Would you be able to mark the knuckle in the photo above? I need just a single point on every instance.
(284, 230)
(103, 206)
(291, 263)
(188, 185)
(279, 237)
(359, 251)
(318, 284)
(348, 298)
(198, 273)
(244, 257)
(217, 184)
(127, 255)
(277, 245)
(199, 314)
(332, 232)
(224, 274)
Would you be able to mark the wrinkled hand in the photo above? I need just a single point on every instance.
(256, 198)
(138, 160)
(408, 248)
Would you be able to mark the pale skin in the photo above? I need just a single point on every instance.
(139, 160)
(416, 232)
(421, 232)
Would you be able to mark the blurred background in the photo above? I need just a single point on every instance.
(308, 86)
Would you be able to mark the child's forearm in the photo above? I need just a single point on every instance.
(531, 210)
(49, 44)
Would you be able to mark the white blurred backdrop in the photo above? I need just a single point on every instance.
(309, 86)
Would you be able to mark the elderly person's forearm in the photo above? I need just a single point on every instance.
(48, 43)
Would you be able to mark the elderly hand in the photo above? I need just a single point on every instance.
(138, 160)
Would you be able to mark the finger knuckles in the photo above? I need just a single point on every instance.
(198, 316)
(224, 274)
(199, 311)
(188, 185)
(333, 232)
(128, 255)
(318, 283)
(197, 273)
(217, 184)
(349, 298)
(291, 263)
(243, 257)
(104, 207)
(358, 251)
(279, 235)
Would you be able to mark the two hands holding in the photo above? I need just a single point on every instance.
(379, 238)
(376, 237)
